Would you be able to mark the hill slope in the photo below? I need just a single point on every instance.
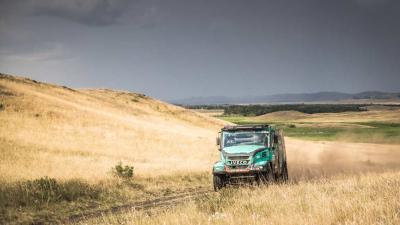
(49, 130)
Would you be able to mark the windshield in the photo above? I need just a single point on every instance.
(234, 138)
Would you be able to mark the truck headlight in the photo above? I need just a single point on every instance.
(260, 155)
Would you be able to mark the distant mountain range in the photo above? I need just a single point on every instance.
(288, 98)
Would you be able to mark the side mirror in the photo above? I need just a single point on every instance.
(218, 140)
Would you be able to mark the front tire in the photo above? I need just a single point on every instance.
(218, 182)
(266, 177)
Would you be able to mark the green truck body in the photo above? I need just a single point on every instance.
(250, 153)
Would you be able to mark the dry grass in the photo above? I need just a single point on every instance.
(47, 130)
(76, 136)
(365, 199)
(66, 134)
(374, 114)
(210, 112)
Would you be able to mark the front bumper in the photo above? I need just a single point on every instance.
(251, 169)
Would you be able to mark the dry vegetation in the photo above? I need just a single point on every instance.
(210, 112)
(331, 183)
(358, 199)
(64, 133)
(58, 147)
(75, 137)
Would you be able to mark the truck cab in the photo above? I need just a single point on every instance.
(248, 154)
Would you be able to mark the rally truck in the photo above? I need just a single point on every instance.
(250, 154)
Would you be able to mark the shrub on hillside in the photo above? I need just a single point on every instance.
(124, 172)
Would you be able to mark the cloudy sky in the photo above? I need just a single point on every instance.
(173, 49)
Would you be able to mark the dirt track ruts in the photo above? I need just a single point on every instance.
(140, 205)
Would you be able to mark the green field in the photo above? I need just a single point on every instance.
(368, 132)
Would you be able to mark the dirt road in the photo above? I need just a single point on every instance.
(163, 201)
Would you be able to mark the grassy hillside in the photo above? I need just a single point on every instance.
(59, 146)
(361, 199)
(67, 133)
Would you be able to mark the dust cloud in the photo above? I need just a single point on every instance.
(309, 160)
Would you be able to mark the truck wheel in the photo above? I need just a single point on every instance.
(218, 182)
(267, 177)
(270, 176)
(285, 174)
(261, 179)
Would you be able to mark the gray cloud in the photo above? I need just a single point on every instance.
(88, 12)
(180, 48)
(371, 2)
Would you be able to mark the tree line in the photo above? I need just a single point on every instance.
(257, 110)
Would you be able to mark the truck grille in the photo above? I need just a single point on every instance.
(238, 157)
(238, 167)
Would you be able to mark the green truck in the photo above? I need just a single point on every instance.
(250, 154)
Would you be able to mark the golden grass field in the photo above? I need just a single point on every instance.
(67, 134)
(331, 183)
(358, 199)
(64, 133)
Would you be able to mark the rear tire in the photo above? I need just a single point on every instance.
(218, 182)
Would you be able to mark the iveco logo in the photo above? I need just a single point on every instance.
(238, 162)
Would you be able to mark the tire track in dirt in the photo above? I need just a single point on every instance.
(140, 205)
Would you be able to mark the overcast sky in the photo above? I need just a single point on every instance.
(172, 49)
